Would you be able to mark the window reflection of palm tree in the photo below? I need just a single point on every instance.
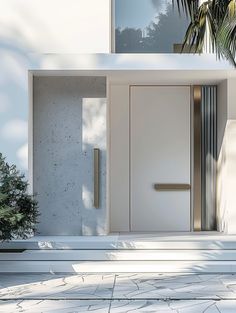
(214, 22)
(159, 36)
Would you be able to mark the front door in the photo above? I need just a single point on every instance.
(160, 158)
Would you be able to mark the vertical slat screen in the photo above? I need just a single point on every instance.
(208, 157)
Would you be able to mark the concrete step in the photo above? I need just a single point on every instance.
(120, 255)
(118, 266)
(126, 242)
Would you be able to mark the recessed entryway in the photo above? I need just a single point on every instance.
(150, 164)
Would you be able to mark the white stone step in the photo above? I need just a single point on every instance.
(120, 255)
(118, 266)
(62, 243)
(130, 241)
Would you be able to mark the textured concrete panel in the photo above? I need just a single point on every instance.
(69, 122)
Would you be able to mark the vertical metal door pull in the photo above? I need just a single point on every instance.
(96, 164)
(197, 215)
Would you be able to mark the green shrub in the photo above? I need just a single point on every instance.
(18, 209)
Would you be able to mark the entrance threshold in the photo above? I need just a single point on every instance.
(183, 240)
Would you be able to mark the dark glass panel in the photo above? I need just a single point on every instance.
(148, 26)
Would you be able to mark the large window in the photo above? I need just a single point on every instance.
(148, 26)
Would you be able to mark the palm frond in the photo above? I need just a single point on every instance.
(213, 22)
(232, 9)
(226, 33)
(187, 6)
(195, 34)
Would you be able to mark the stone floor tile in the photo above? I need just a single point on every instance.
(26, 286)
(54, 306)
(153, 286)
(160, 306)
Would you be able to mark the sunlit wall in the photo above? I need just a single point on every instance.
(29, 29)
(51, 34)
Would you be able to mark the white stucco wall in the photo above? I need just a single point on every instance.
(230, 175)
(29, 29)
(60, 35)
(56, 26)
(226, 163)
(222, 213)
(232, 98)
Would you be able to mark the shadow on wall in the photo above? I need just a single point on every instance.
(26, 31)
(93, 136)
(222, 224)
(16, 41)
(14, 63)
(226, 179)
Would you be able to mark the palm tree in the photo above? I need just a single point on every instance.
(213, 21)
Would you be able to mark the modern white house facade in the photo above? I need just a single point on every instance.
(118, 141)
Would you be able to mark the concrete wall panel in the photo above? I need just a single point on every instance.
(69, 116)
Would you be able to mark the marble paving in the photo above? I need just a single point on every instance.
(178, 286)
(55, 306)
(116, 293)
(50, 286)
(118, 306)
(186, 306)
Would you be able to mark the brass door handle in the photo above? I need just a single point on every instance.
(171, 187)
(96, 179)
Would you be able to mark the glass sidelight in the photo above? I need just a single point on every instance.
(205, 145)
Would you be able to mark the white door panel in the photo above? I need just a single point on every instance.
(159, 153)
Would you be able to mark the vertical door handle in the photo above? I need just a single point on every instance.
(96, 190)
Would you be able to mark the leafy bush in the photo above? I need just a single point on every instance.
(18, 209)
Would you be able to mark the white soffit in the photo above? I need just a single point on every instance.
(148, 68)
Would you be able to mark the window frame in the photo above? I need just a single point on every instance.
(112, 27)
